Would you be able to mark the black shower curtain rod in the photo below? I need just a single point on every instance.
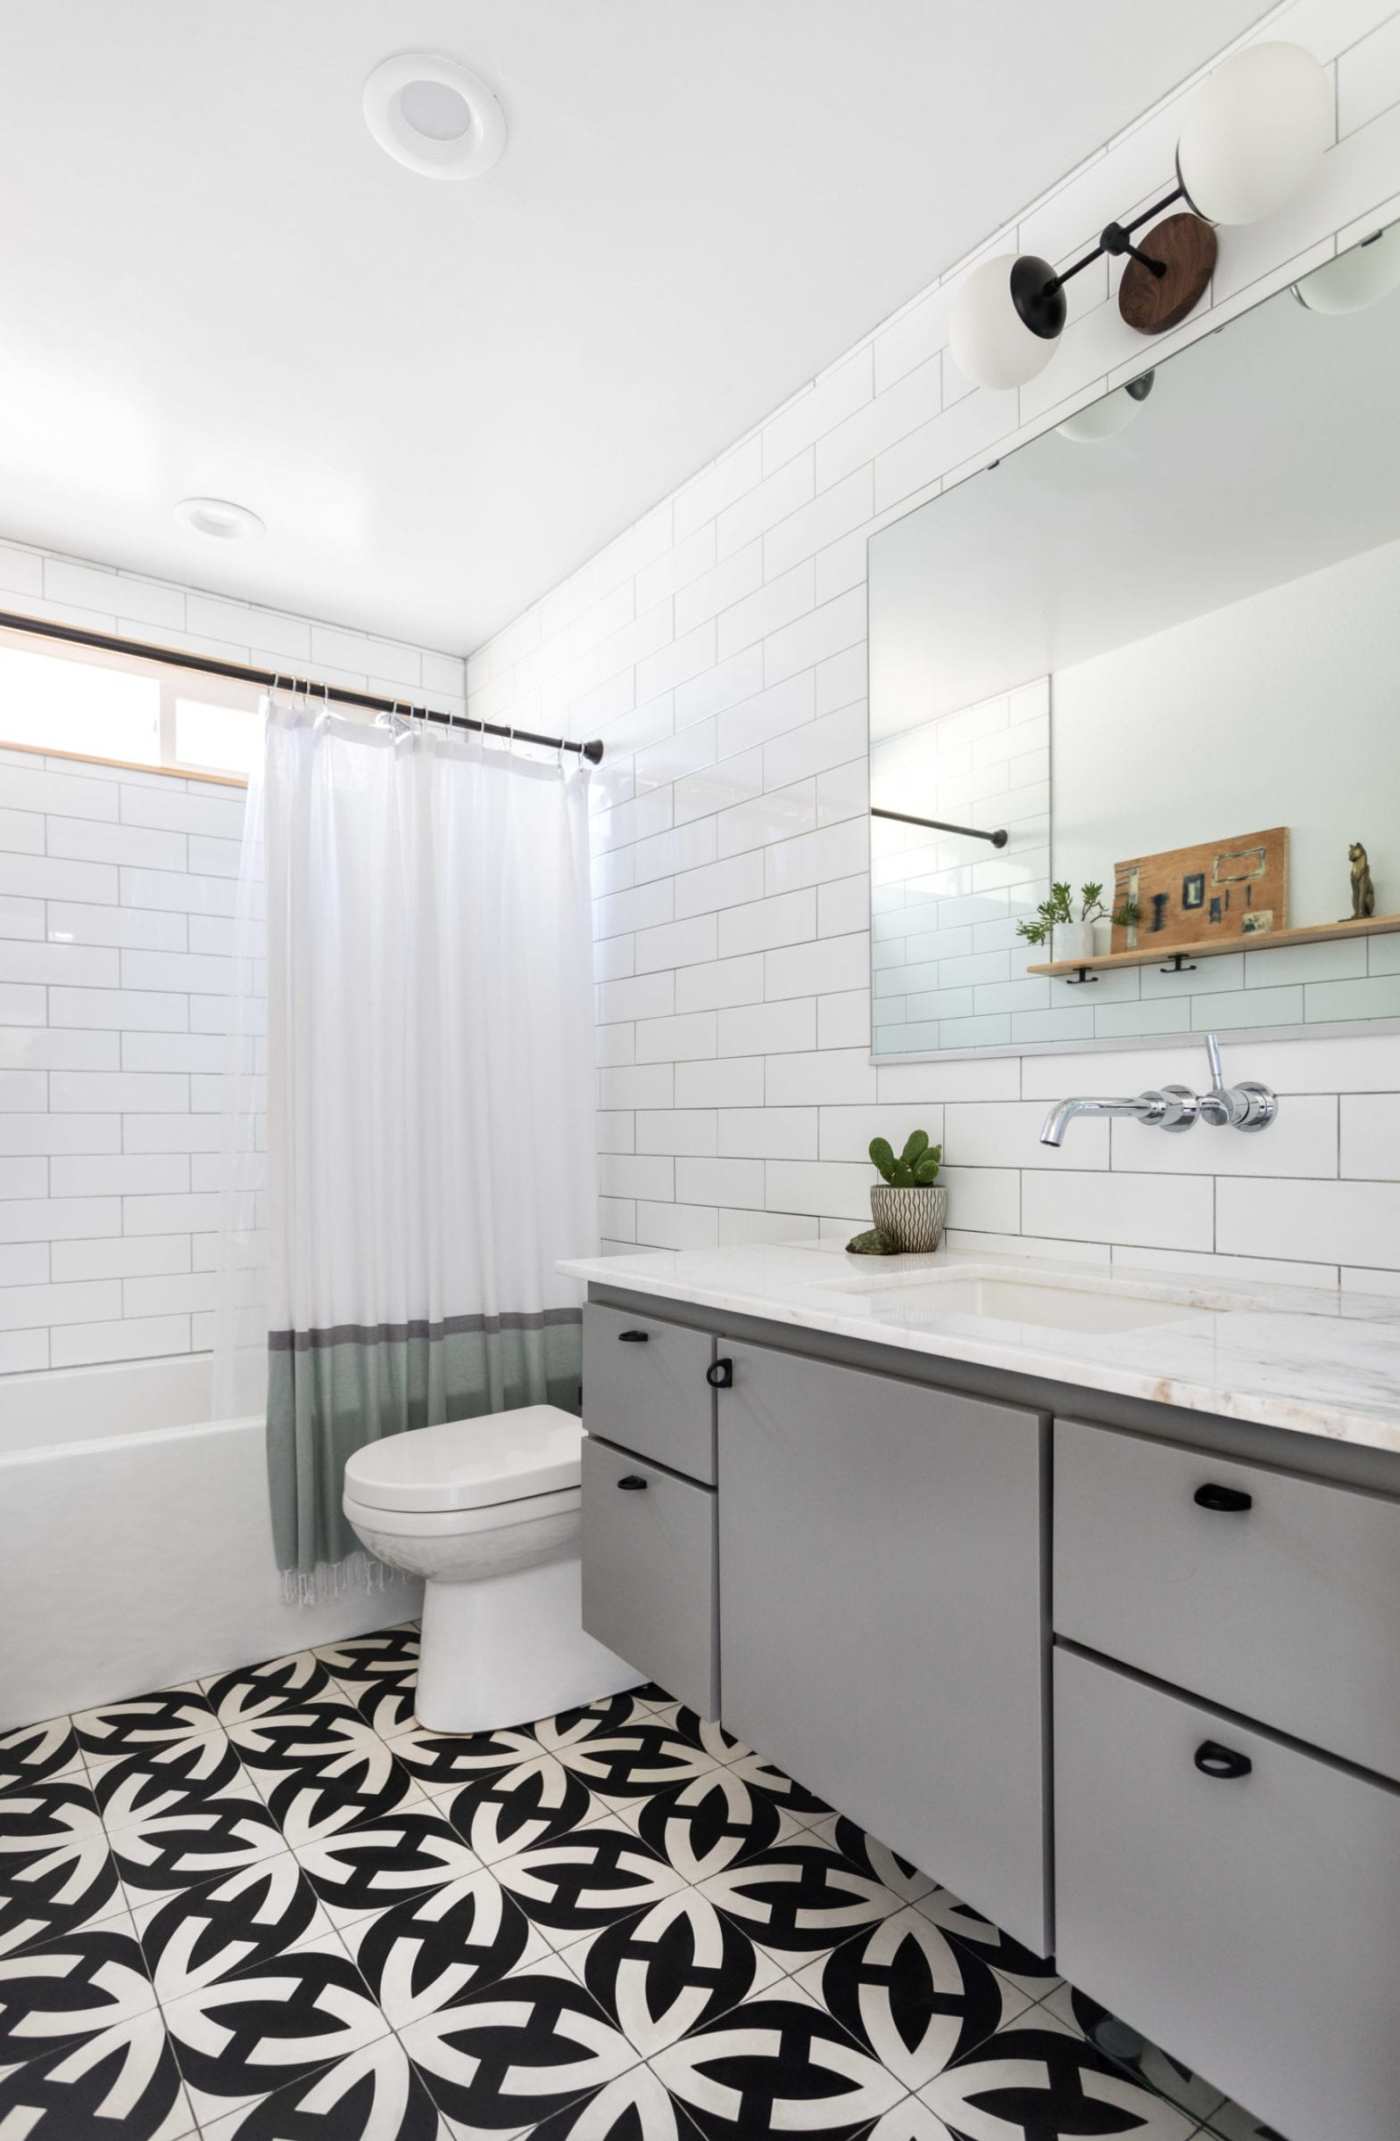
(269, 679)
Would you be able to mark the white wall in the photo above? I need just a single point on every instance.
(719, 649)
(116, 890)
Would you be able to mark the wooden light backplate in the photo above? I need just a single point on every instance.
(1248, 875)
(1153, 303)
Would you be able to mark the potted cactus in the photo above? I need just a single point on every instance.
(910, 1206)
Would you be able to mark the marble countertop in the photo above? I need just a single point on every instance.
(1311, 1361)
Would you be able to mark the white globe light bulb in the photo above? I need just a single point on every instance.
(990, 341)
(1254, 132)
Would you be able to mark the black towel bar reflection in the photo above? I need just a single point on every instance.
(941, 825)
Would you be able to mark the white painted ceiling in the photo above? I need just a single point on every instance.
(443, 397)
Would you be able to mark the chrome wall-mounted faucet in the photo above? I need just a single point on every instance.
(1247, 1106)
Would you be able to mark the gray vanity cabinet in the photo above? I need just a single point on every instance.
(1236, 1897)
(881, 1565)
(649, 1571)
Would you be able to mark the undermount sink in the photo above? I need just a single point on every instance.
(1007, 1299)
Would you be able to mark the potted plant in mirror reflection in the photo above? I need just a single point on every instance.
(910, 1206)
(1073, 934)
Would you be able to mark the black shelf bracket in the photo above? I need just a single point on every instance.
(1075, 981)
(1180, 965)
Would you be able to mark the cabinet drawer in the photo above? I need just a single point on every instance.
(1251, 1923)
(649, 1572)
(1287, 1610)
(644, 1388)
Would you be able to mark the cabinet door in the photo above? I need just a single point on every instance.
(882, 1628)
(1232, 1897)
(644, 1388)
(648, 1550)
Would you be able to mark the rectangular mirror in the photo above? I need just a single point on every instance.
(1156, 652)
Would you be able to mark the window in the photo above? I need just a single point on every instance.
(86, 702)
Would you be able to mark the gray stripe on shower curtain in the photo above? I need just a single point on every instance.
(332, 1391)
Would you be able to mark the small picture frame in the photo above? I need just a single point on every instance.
(1193, 890)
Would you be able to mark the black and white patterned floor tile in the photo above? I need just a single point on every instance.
(244, 2037)
(911, 1998)
(378, 1673)
(670, 1968)
(383, 1861)
(777, 2064)
(1040, 2077)
(966, 1928)
(274, 1907)
(374, 2094)
(71, 1989)
(799, 1898)
(256, 1691)
(56, 1871)
(431, 1951)
(578, 1883)
(122, 2085)
(199, 1936)
(145, 1721)
(34, 1752)
(515, 2054)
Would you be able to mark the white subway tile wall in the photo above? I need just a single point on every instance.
(116, 893)
(718, 647)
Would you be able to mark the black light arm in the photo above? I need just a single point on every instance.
(941, 825)
(1116, 238)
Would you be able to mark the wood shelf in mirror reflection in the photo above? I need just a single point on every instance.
(1375, 925)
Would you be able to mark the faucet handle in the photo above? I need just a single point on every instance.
(1217, 1068)
(1246, 1106)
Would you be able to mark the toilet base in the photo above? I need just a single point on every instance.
(508, 1649)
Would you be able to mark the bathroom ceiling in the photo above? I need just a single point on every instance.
(443, 397)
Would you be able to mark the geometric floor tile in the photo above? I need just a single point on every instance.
(56, 1870)
(586, 1880)
(166, 1781)
(249, 2035)
(240, 1922)
(122, 2085)
(274, 1907)
(1041, 2078)
(383, 1861)
(777, 2065)
(507, 1810)
(370, 2095)
(910, 1997)
(799, 1898)
(74, 1988)
(144, 1721)
(670, 1968)
(277, 1684)
(430, 1951)
(32, 1752)
(518, 2052)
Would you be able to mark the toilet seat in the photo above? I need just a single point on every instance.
(465, 1466)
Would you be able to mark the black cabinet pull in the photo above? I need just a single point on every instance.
(632, 1483)
(1213, 1760)
(1230, 1501)
(633, 1338)
(720, 1374)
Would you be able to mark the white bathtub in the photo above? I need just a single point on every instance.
(135, 1545)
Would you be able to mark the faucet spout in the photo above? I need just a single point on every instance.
(1147, 1107)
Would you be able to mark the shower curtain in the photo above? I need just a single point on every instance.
(410, 1142)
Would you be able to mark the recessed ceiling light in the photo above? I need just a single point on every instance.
(434, 116)
(218, 518)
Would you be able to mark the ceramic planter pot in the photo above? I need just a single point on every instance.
(914, 1218)
(1074, 940)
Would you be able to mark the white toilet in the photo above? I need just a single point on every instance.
(487, 1512)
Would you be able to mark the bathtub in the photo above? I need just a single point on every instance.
(135, 1543)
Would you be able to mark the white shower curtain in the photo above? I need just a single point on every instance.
(428, 1102)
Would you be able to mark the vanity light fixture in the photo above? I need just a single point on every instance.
(1252, 134)
(1112, 413)
(1354, 280)
(434, 116)
(220, 519)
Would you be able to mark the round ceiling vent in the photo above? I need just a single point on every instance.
(434, 116)
(218, 518)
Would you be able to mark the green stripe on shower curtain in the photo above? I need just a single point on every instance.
(332, 1391)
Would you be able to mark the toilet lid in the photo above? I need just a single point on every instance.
(469, 1464)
